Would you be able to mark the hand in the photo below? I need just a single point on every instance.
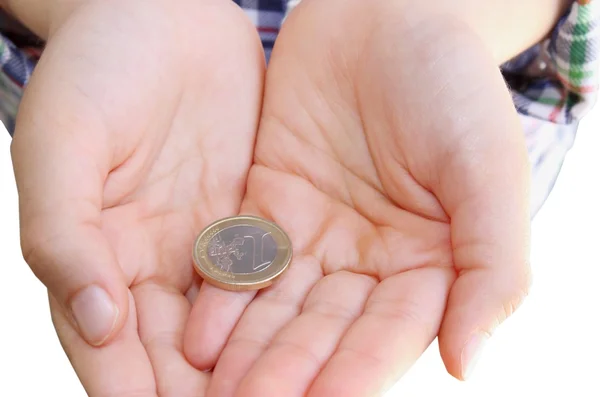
(390, 151)
(136, 130)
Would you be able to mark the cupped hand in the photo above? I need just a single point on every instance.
(390, 151)
(136, 130)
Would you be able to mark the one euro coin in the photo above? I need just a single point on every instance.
(242, 253)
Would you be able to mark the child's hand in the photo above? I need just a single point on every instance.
(135, 131)
(390, 151)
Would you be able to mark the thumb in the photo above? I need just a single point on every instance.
(73, 260)
(57, 158)
(484, 189)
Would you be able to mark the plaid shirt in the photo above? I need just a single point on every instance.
(553, 84)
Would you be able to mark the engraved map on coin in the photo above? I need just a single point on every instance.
(242, 249)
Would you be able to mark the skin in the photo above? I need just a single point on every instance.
(405, 194)
(119, 166)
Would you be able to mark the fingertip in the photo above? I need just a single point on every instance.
(471, 353)
(196, 346)
(480, 300)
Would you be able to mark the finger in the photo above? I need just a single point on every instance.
(212, 318)
(120, 369)
(483, 185)
(299, 351)
(68, 252)
(272, 309)
(489, 243)
(401, 318)
(74, 260)
(162, 314)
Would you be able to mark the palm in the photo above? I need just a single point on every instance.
(176, 161)
(367, 289)
(373, 260)
(346, 163)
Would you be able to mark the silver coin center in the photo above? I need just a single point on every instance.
(242, 249)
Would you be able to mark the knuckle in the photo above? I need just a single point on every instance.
(32, 248)
(35, 248)
(39, 250)
(405, 312)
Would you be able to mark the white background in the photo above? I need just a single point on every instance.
(550, 346)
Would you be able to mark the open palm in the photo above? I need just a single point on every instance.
(125, 149)
(400, 174)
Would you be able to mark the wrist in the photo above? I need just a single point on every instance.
(505, 27)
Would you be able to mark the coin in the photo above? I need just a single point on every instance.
(242, 253)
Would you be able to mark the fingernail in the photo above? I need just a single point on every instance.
(95, 314)
(471, 353)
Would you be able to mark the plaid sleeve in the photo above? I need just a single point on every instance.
(557, 80)
(554, 85)
(19, 51)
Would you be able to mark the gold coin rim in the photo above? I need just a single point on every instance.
(242, 282)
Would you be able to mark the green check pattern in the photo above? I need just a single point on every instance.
(566, 88)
